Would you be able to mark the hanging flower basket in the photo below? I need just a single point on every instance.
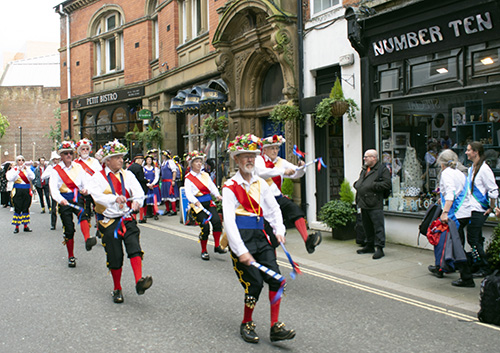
(339, 108)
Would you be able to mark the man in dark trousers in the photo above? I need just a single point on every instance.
(370, 187)
(138, 171)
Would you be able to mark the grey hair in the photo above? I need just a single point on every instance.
(448, 158)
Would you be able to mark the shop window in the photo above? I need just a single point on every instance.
(193, 17)
(486, 62)
(412, 132)
(430, 70)
(103, 124)
(389, 80)
(322, 5)
(107, 33)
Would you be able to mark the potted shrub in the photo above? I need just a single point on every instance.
(340, 215)
(282, 113)
(330, 109)
(493, 250)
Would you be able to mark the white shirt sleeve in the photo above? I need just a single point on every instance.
(271, 209)
(190, 190)
(264, 172)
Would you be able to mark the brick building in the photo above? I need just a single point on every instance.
(29, 95)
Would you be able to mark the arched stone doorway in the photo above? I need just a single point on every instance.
(252, 37)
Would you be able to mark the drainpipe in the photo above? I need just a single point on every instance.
(61, 12)
(300, 34)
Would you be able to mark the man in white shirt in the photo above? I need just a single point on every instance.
(54, 160)
(273, 169)
(246, 201)
(67, 186)
(117, 194)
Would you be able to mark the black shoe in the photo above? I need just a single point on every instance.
(247, 332)
(279, 333)
(72, 262)
(366, 250)
(220, 250)
(205, 256)
(16, 230)
(118, 296)
(43, 210)
(436, 271)
(378, 254)
(480, 274)
(90, 242)
(172, 213)
(313, 240)
(27, 229)
(53, 228)
(143, 284)
(156, 217)
(142, 221)
(461, 283)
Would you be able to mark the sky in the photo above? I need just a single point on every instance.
(27, 20)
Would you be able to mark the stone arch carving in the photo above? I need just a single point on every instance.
(103, 10)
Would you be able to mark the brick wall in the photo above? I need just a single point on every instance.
(32, 108)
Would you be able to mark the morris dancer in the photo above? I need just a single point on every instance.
(169, 189)
(21, 195)
(67, 187)
(247, 200)
(54, 160)
(273, 169)
(112, 188)
(152, 174)
(90, 165)
(199, 190)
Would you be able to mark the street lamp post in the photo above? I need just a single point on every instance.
(20, 140)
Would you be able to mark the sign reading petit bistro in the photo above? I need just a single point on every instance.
(446, 32)
(108, 97)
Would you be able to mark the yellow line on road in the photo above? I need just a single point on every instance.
(365, 288)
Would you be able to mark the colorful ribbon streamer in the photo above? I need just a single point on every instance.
(274, 275)
(80, 213)
(295, 268)
(298, 152)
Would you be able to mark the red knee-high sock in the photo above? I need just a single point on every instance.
(275, 308)
(217, 238)
(247, 314)
(167, 206)
(300, 224)
(142, 213)
(117, 276)
(85, 227)
(203, 245)
(174, 207)
(136, 263)
(70, 245)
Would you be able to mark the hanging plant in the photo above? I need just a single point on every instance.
(215, 128)
(282, 113)
(150, 137)
(330, 109)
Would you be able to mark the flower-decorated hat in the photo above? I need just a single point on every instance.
(83, 142)
(66, 146)
(166, 153)
(112, 149)
(154, 150)
(191, 156)
(275, 140)
(244, 144)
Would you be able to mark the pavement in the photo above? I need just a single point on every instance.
(403, 269)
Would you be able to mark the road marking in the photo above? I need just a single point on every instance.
(393, 296)
(365, 288)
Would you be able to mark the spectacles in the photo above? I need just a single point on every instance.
(22, 160)
(67, 152)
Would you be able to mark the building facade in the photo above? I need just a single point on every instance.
(431, 74)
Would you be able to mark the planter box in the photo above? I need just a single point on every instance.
(346, 232)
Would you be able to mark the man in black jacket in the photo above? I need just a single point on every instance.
(370, 198)
(137, 169)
